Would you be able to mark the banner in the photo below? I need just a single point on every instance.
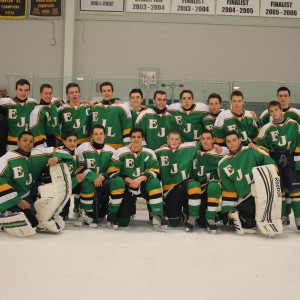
(102, 6)
(13, 9)
(45, 8)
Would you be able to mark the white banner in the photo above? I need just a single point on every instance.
(103, 5)
(201, 7)
(245, 8)
(149, 6)
(280, 9)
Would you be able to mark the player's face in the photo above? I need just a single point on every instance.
(174, 140)
(186, 100)
(107, 92)
(206, 141)
(73, 94)
(237, 103)
(214, 105)
(136, 100)
(136, 139)
(233, 143)
(284, 98)
(98, 135)
(160, 101)
(275, 112)
(22, 91)
(70, 142)
(47, 94)
(26, 143)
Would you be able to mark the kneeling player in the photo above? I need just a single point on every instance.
(235, 171)
(134, 170)
(181, 193)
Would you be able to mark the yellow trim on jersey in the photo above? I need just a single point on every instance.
(195, 190)
(229, 194)
(155, 192)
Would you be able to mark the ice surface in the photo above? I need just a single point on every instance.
(140, 263)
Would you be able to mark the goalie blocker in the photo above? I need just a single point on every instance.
(53, 197)
(267, 193)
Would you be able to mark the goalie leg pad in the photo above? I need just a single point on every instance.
(267, 192)
(16, 224)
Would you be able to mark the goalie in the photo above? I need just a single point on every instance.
(237, 171)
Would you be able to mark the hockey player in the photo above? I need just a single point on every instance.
(95, 157)
(44, 118)
(281, 138)
(74, 116)
(3, 132)
(116, 118)
(206, 172)
(283, 97)
(237, 119)
(214, 102)
(156, 122)
(17, 111)
(136, 106)
(235, 171)
(134, 170)
(189, 116)
(181, 193)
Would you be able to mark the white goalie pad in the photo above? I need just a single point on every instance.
(16, 224)
(53, 197)
(268, 201)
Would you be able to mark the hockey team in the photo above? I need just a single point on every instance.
(195, 164)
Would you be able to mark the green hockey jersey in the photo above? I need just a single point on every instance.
(116, 118)
(189, 122)
(18, 115)
(209, 121)
(245, 126)
(176, 165)
(235, 172)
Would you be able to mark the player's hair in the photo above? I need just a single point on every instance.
(231, 132)
(136, 129)
(106, 83)
(65, 135)
(186, 91)
(236, 93)
(100, 126)
(175, 132)
(46, 86)
(72, 84)
(284, 88)
(22, 82)
(160, 93)
(214, 95)
(274, 103)
(23, 133)
(207, 131)
(136, 90)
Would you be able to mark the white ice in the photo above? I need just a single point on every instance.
(140, 263)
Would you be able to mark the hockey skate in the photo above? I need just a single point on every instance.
(112, 221)
(84, 219)
(190, 224)
(160, 223)
(237, 223)
(212, 226)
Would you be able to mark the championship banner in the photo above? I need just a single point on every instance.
(45, 8)
(102, 6)
(280, 9)
(13, 9)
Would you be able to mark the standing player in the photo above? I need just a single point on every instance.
(116, 118)
(17, 111)
(156, 122)
(235, 171)
(214, 102)
(281, 138)
(284, 98)
(134, 170)
(44, 118)
(75, 117)
(237, 119)
(181, 193)
(206, 172)
(95, 158)
(189, 116)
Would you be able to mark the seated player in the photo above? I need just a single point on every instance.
(134, 170)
